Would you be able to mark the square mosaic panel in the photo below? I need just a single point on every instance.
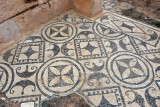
(29, 53)
(89, 49)
(106, 97)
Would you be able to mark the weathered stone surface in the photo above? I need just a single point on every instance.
(19, 27)
(42, 1)
(88, 7)
(9, 8)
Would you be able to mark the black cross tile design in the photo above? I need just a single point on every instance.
(59, 32)
(129, 65)
(64, 78)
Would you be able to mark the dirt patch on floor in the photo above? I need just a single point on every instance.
(144, 10)
(72, 100)
(4, 102)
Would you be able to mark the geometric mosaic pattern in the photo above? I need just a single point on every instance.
(60, 76)
(6, 77)
(112, 61)
(59, 32)
(106, 97)
(28, 53)
(129, 70)
(89, 48)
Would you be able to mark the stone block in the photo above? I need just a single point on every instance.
(88, 7)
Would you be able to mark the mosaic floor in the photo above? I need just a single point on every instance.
(112, 61)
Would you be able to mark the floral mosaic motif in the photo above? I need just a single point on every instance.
(130, 70)
(59, 32)
(131, 67)
(60, 76)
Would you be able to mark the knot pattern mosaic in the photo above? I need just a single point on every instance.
(112, 61)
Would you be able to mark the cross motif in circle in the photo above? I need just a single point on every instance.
(60, 76)
(129, 68)
(59, 31)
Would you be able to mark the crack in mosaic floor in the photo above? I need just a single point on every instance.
(112, 61)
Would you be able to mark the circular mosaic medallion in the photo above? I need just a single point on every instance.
(130, 70)
(59, 32)
(6, 77)
(106, 32)
(60, 76)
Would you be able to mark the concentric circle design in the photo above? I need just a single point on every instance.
(59, 32)
(6, 77)
(106, 32)
(60, 76)
(130, 70)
